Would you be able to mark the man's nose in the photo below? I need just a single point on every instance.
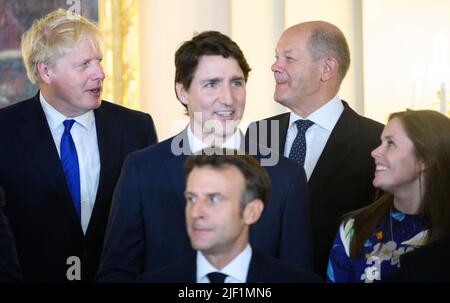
(227, 95)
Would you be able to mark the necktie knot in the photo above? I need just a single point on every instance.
(298, 149)
(68, 124)
(303, 125)
(216, 277)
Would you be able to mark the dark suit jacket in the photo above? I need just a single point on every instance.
(262, 269)
(342, 178)
(9, 264)
(147, 231)
(427, 264)
(41, 214)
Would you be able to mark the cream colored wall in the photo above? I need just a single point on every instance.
(407, 55)
(165, 24)
(254, 24)
(346, 14)
(400, 50)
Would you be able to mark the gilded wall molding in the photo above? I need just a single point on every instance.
(119, 21)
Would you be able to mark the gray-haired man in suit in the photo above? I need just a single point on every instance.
(321, 133)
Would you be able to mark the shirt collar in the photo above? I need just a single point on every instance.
(196, 145)
(236, 269)
(55, 118)
(326, 116)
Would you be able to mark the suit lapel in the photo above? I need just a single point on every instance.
(109, 137)
(283, 125)
(191, 270)
(338, 146)
(254, 269)
(176, 153)
(38, 140)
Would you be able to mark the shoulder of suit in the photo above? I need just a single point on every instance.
(135, 122)
(277, 117)
(371, 123)
(363, 123)
(175, 273)
(158, 150)
(283, 269)
(17, 106)
(12, 114)
(266, 260)
(113, 107)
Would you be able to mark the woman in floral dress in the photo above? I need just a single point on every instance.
(413, 170)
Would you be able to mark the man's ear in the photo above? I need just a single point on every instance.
(44, 72)
(181, 93)
(330, 68)
(253, 211)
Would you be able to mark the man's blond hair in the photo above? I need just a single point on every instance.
(54, 35)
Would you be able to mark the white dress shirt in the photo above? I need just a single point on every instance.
(196, 145)
(84, 134)
(325, 119)
(236, 270)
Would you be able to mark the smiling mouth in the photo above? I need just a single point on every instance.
(381, 168)
(280, 79)
(225, 113)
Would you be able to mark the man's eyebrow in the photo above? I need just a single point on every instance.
(216, 79)
(237, 78)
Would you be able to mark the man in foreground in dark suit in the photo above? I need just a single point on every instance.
(9, 264)
(321, 133)
(226, 193)
(146, 230)
(62, 151)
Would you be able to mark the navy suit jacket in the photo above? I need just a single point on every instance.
(427, 264)
(40, 211)
(9, 264)
(342, 179)
(147, 230)
(262, 269)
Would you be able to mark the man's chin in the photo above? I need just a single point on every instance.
(222, 131)
(199, 245)
(93, 103)
(99, 102)
(224, 136)
(279, 99)
(228, 131)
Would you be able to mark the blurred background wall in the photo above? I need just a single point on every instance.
(400, 50)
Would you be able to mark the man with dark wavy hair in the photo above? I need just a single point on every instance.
(146, 230)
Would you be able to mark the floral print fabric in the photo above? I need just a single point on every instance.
(397, 234)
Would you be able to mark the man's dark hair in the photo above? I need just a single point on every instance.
(207, 43)
(257, 181)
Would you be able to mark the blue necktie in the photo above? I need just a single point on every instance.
(69, 160)
(216, 277)
(298, 149)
